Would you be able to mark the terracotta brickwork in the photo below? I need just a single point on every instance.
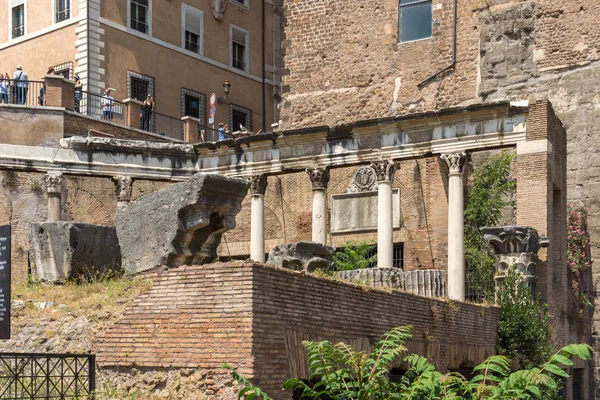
(255, 317)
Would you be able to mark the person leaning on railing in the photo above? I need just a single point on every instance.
(3, 89)
(78, 91)
(107, 105)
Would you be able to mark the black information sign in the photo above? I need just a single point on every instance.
(5, 282)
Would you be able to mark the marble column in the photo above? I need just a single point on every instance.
(258, 186)
(123, 188)
(456, 226)
(319, 178)
(384, 170)
(54, 182)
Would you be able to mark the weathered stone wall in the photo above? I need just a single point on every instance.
(256, 317)
(288, 213)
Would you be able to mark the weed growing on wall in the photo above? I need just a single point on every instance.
(353, 255)
(491, 191)
(578, 252)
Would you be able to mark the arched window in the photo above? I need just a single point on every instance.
(415, 20)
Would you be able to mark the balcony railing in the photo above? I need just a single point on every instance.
(18, 31)
(29, 93)
(63, 15)
(100, 107)
(164, 125)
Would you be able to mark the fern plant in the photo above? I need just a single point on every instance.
(354, 255)
(341, 373)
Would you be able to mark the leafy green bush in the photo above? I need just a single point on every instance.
(353, 255)
(341, 373)
(523, 330)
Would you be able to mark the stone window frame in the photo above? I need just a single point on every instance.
(185, 9)
(246, 61)
(202, 108)
(247, 111)
(13, 5)
(413, 3)
(56, 11)
(245, 4)
(148, 19)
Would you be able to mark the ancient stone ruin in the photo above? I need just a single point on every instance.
(62, 249)
(429, 282)
(179, 225)
(301, 256)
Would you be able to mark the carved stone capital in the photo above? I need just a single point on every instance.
(319, 177)
(514, 239)
(384, 170)
(53, 181)
(258, 184)
(455, 162)
(123, 187)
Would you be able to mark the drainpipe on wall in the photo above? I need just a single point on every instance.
(264, 104)
(453, 63)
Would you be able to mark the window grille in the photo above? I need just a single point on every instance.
(18, 21)
(398, 257)
(416, 20)
(243, 3)
(139, 15)
(193, 30)
(63, 10)
(139, 86)
(240, 115)
(193, 104)
(64, 69)
(238, 49)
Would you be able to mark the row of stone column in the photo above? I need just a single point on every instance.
(54, 182)
(384, 171)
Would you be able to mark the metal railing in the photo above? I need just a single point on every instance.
(209, 134)
(18, 31)
(47, 376)
(63, 15)
(30, 93)
(100, 107)
(163, 125)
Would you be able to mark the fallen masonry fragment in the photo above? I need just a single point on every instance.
(179, 225)
(301, 256)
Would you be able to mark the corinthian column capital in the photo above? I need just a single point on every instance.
(319, 177)
(384, 170)
(53, 181)
(455, 162)
(258, 184)
(123, 187)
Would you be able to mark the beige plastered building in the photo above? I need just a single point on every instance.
(179, 51)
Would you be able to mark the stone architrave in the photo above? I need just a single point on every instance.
(181, 224)
(218, 8)
(258, 187)
(384, 172)
(123, 189)
(319, 178)
(54, 181)
(456, 226)
(515, 246)
(63, 249)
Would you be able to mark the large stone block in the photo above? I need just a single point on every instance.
(63, 249)
(301, 256)
(181, 224)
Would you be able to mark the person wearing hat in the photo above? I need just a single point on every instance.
(22, 84)
(107, 105)
(78, 92)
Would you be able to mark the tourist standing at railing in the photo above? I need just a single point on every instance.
(78, 92)
(221, 131)
(42, 95)
(22, 84)
(3, 89)
(146, 112)
(107, 105)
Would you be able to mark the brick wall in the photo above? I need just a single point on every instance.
(255, 317)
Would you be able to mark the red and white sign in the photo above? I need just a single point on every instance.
(213, 99)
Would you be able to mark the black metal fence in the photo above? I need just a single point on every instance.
(101, 107)
(47, 376)
(166, 126)
(29, 93)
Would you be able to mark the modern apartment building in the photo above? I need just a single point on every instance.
(178, 51)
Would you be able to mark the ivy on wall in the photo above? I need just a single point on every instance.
(578, 252)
